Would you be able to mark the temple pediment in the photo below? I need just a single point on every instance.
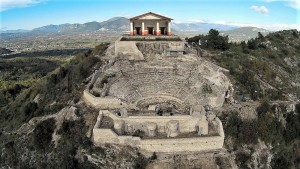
(150, 16)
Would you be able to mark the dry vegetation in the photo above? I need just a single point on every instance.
(268, 65)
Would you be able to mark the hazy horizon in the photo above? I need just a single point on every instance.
(268, 14)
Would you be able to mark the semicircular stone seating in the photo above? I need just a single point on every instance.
(181, 80)
(147, 82)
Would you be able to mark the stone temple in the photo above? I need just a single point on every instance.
(154, 94)
(150, 24)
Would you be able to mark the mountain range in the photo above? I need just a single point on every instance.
(244, 33)
(113, 24)
(121, 24)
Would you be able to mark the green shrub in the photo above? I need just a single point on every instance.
(28, 110)
(242, 132)
(295, 34)
(73, 131)
(141, 162)
(154, 156)
(11, 154)
(249, 83)
(206, 89)
(99, 50)
(292, 131)
(282, 160)
(261, 37)
(42, 134)
(243, 159)
(274, 94)
(252, 44)
(285, 52)
(263, 108)
(269, 128)
(104, 80)
(55, 90)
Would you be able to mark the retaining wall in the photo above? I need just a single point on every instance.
(186, 123)
(103, 102)
(127, 50)
(168, 145)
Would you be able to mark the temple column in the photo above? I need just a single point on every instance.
(143, 28)
(157, 28)
(169, 28)
(131, 28)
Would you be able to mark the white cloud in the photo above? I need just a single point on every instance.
(260, 9)
(291, 3)
(8, 4)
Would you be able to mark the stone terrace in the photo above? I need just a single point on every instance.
(151, 38)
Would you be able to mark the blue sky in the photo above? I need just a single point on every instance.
(269, 14)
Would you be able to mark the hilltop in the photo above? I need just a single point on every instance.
(49, 123)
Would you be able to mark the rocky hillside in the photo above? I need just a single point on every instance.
(262, 124)
(271, 63)
(47, 125)
(266, 66)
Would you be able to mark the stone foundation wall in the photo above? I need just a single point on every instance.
(186, 123)
(168, 145)
(127, 50)
(133, 49)
(182, 144)
(149, 38)
(102, 102)
(163, 48)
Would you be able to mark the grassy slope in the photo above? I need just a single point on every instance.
(56, 90)
(272, 68)
(21, 73)
(60, 88)
(266, 68)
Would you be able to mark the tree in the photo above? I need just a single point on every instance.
(216, 41)
(252, 44)
(261, 36)
(42, 134)
(212, 40)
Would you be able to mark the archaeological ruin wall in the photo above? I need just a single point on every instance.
(156, 100)
(170, 144)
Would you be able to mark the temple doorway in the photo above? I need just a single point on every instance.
(162, 30)
(150, 30)
(138, 30)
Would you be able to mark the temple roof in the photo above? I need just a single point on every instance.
(150, 16)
